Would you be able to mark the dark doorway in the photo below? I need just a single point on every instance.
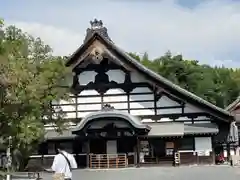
(98, 146)
(126, 144)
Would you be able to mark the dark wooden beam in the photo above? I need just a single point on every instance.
(128, 102)
(155, 101)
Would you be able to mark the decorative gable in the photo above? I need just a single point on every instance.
(104, 74)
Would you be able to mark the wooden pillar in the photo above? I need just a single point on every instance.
(175, 149)
(88, 152)
(213, 150)
(137, 153)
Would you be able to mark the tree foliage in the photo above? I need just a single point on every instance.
(219, 85)
(31, 78)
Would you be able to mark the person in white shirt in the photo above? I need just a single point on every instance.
(63, 163)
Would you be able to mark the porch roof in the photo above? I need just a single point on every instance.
(168, 129)
(171, 129)
(200, 128)
(133, 120)
(53, 134)
(164, 129)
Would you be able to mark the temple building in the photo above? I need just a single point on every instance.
(234, 110)
(124, 114)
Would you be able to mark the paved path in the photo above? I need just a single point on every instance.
(159, 173)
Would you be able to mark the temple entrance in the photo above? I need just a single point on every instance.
(98, 146)
(111, 138)
(112, 147)
(104, 146)
(112, 153)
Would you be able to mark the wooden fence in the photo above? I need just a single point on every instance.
(103, 161)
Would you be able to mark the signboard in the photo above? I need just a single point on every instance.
(144, 146)
(207, 153)
(169, 145)
(201, 153)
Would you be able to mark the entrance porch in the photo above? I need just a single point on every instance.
(127, 151)
(111, 136)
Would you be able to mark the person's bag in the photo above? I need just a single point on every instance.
(58, 176)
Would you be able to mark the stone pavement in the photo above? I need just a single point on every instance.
(159, 173)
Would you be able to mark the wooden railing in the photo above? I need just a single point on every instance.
(164, 160)
(103, 161)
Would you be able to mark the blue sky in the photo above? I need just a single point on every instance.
(206, 30)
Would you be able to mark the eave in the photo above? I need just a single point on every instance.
(233, 105)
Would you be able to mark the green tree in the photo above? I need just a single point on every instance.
(218, 85)
(31, 78)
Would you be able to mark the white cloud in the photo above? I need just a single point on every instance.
(63, 41)
(210, 32)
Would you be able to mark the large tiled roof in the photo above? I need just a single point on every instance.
(223, 114)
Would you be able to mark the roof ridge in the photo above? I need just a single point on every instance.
(234, 103)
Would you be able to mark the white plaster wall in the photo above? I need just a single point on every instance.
(66, 107)
(114, 91)
(88, 108)
(165, 120)
(120, 101)
(184, 118)
(116, 75)
(136, 77)
(201, 118)
(89, 76)
(165, 101)
(203, 143)
(147, 120)
(192, 109)
(143, 105)
(86, 77)
(169, 111)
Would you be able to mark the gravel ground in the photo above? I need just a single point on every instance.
(158, 173)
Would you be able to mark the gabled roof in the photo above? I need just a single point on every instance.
(133, 120)
(160, 80)
(235, 103)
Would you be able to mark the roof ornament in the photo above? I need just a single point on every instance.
(107, 107)
(96, 27)
(96, 24)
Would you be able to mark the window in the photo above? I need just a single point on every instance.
(203, 144)
(186, 143)
(169, 148)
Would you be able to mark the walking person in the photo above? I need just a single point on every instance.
(63, 164)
